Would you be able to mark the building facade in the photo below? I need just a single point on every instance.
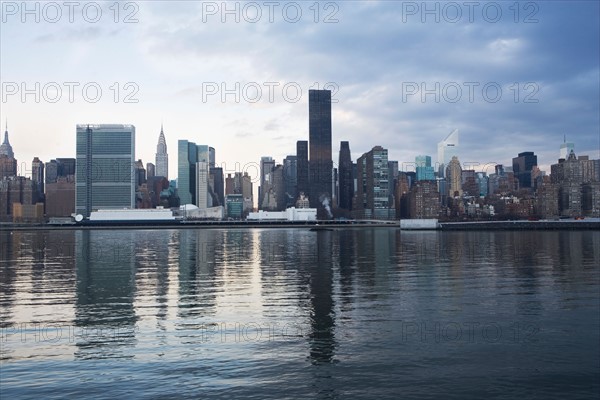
(302, 168)
(522, 168)
(346, 180)
(161, 157)
(454, 177)
(423, 200)
(372, 195)
(320, 161)
(447, 149)
(105, 167)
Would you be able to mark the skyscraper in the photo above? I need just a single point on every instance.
(266, 178)
(202, 175)
(188, 155)
(320, 162)
(8, 164)
(302, 171)
(37, 174)
(522, 167)
(447, 148)
(162, 158)
(150, 170)
(290, 177)
(372, 194)
(565, 149)
(6, 148)
(346, 179)
(105, 167)
(424, 169)
(454, 177)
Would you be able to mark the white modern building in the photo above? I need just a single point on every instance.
(447, 149)
(157, 214)
(566, 148)
(291, 214)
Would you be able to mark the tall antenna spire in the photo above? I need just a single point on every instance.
(565, 138)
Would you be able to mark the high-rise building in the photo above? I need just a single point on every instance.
(482, 181)
(522, 167)
(105, 167)
(423, 200)
(278, 187)
(51, 171)
(188, 155)
(320, 161)
(217, 186)
(372, 195)
(267, 164)
(202, 184)
(150, 170)
(577, 179)
(469, 183)
(240, 184)
(302, 168)
(8, 166)
(346, 180)
(566, 148)
(37, 174)
(424, 170)
(290, 177)
(140, 173)
(454, 177)
(15, 192)
(162, 157)
(8, 163)
(61, 167)
(5, 148)
(447, 149)
(66, 166)
(60, 197)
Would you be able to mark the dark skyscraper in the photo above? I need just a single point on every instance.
(290, 177)
(37, 174)
(522, 166)
(345, 177)
(66, 166)
(320, 162)
(302, 167)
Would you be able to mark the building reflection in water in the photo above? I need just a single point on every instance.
(197, 280)
(105, 318)
(322, 335)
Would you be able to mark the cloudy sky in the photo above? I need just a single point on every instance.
(236, 76)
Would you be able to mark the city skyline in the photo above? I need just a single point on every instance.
(371, 84)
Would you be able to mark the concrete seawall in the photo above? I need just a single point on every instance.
(586, 224)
